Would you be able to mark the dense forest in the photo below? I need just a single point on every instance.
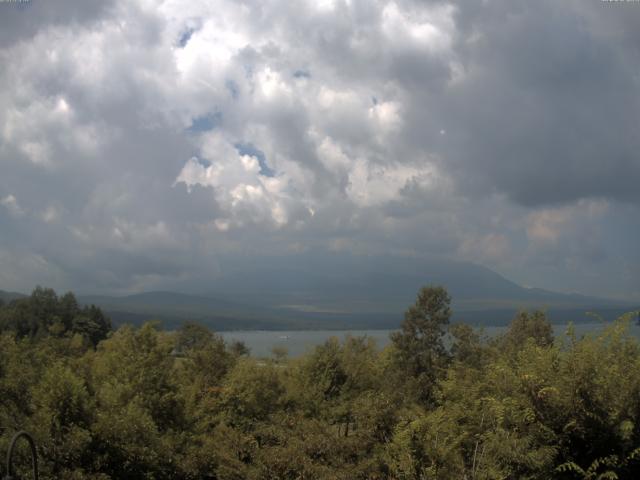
(440, 402)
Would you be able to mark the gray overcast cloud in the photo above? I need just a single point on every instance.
(141, 142)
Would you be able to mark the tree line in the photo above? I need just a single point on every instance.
(440, 402)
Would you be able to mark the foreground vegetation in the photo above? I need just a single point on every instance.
(143, 403)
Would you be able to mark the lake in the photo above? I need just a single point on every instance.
(298, 342)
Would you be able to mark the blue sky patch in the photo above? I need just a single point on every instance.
(205, 123)
(252, 151)
(301, 74)
(233, 89)
(203, 161)
(185, 36)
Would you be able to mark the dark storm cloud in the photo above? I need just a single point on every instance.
(547, 113)
(20, 21)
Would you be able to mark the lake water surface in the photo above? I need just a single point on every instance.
(298, 342)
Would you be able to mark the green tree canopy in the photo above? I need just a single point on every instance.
(419, 345)
(45, 314)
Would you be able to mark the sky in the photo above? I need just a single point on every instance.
(144, 142)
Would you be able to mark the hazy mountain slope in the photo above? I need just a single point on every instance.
(8, 296)
(343, 291)
(172, 309)
(167, 302)
(341, 283)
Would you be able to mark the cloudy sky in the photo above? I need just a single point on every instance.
(142, 142)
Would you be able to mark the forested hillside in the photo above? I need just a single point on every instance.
(142, 403)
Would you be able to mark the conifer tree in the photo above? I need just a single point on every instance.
(420, 350)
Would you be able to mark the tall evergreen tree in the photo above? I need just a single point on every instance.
(419, 346)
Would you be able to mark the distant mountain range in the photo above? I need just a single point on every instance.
(8, 296)
(341, 291)
(378, 284)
